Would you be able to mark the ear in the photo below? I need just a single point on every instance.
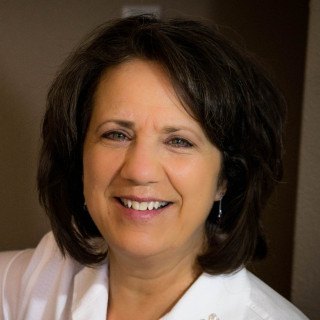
(221, 191)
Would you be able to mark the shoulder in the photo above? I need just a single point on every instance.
(26, 273)
(266, 303)
(15, 264)
(236, 296)
(12, 265)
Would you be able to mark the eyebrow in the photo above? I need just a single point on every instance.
(122, 123)
(171, 129)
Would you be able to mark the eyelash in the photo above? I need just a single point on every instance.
(183, 143)
(176, 142)
(111, 136)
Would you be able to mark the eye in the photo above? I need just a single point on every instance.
(115, 135)
(180, 143)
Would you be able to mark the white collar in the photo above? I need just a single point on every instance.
(90, 294)
(214, 297)
(209, 297)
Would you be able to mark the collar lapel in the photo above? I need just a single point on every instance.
(90, 295)
(214, 298)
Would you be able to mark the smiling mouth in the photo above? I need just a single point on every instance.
(143, 206)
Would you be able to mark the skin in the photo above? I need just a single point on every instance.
(142, 144)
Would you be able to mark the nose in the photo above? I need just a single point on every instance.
(141, 165)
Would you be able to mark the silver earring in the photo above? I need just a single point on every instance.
(85, 207)
(220, 210)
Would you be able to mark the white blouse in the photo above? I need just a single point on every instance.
(41, 284)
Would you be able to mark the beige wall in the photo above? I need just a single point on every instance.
(306, 270)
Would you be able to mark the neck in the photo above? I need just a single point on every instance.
(149, 286)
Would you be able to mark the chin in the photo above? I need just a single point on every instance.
(132, 247)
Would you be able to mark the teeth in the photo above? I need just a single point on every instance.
(143, 206)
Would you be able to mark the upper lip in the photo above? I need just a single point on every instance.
(142, 199)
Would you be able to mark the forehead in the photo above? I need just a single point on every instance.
(138, 86)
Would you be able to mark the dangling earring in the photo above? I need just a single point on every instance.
(220, 211)
(85, 207)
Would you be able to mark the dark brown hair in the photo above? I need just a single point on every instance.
(221, 86)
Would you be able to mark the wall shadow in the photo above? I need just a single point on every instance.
(276, 32)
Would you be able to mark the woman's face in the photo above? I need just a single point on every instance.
(150, 174)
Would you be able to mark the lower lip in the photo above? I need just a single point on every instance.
(139, 215)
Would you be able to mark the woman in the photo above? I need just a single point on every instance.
(161, 144)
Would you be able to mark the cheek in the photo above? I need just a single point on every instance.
(99, 168)
(91, 168)
(196, 180)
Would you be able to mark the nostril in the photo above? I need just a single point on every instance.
(141, 164)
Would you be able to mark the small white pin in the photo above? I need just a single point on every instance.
(213, 317)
